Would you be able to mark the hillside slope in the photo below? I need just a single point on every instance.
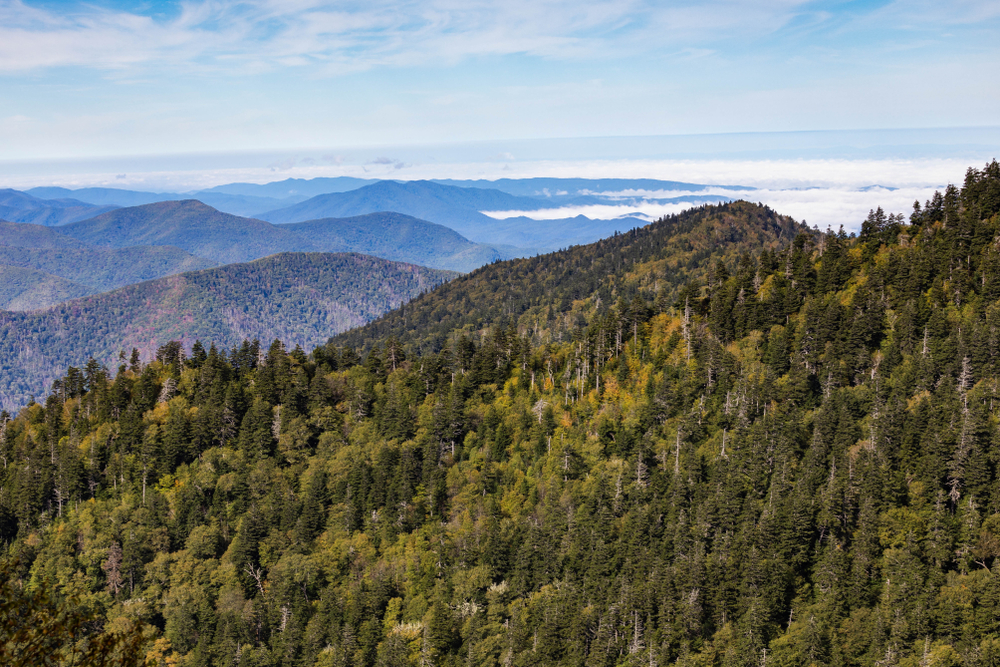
(401, 238)
(26, 235)
(301, 298)
(659, 257)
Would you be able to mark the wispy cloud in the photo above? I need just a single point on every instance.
(261, 35)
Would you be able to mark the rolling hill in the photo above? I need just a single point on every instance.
(189, 225)
(301, 298)
(401, 238)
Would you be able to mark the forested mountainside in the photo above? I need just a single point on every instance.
(561, 290)
(298, 297)
(792, 461)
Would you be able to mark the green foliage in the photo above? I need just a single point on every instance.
(556, 291)
(38, 629)
(782, 463)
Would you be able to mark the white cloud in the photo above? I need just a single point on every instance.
(257, 35)
(821, 207)
(646, 210)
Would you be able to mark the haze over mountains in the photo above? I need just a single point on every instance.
(223, 238)
(18, 206)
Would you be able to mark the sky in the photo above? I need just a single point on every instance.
(788, 94)
(106, 77)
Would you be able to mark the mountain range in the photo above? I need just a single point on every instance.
(18, 206)
(123, 236)
(133, 244)
(461, 209)
(222, 237)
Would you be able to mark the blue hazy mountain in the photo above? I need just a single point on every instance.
(400, 237)
(188, 224)
(454, 207)
(27, 235)
(292, 188)
(224, 238)
(461, 208)
(17, 206)
(102, 196)
(235, 204)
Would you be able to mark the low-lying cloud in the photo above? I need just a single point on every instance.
(822, 192)
(821, 207)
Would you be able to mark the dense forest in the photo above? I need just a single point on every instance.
(786, 456)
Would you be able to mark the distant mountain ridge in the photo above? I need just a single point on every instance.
(462, 208)
(573, 187)
(187, 224)
(458, 208)
(17, 206)
(455, 207)
(245, 205)
(455, 203)
(202, 230)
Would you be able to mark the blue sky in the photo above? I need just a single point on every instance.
(81, 80)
